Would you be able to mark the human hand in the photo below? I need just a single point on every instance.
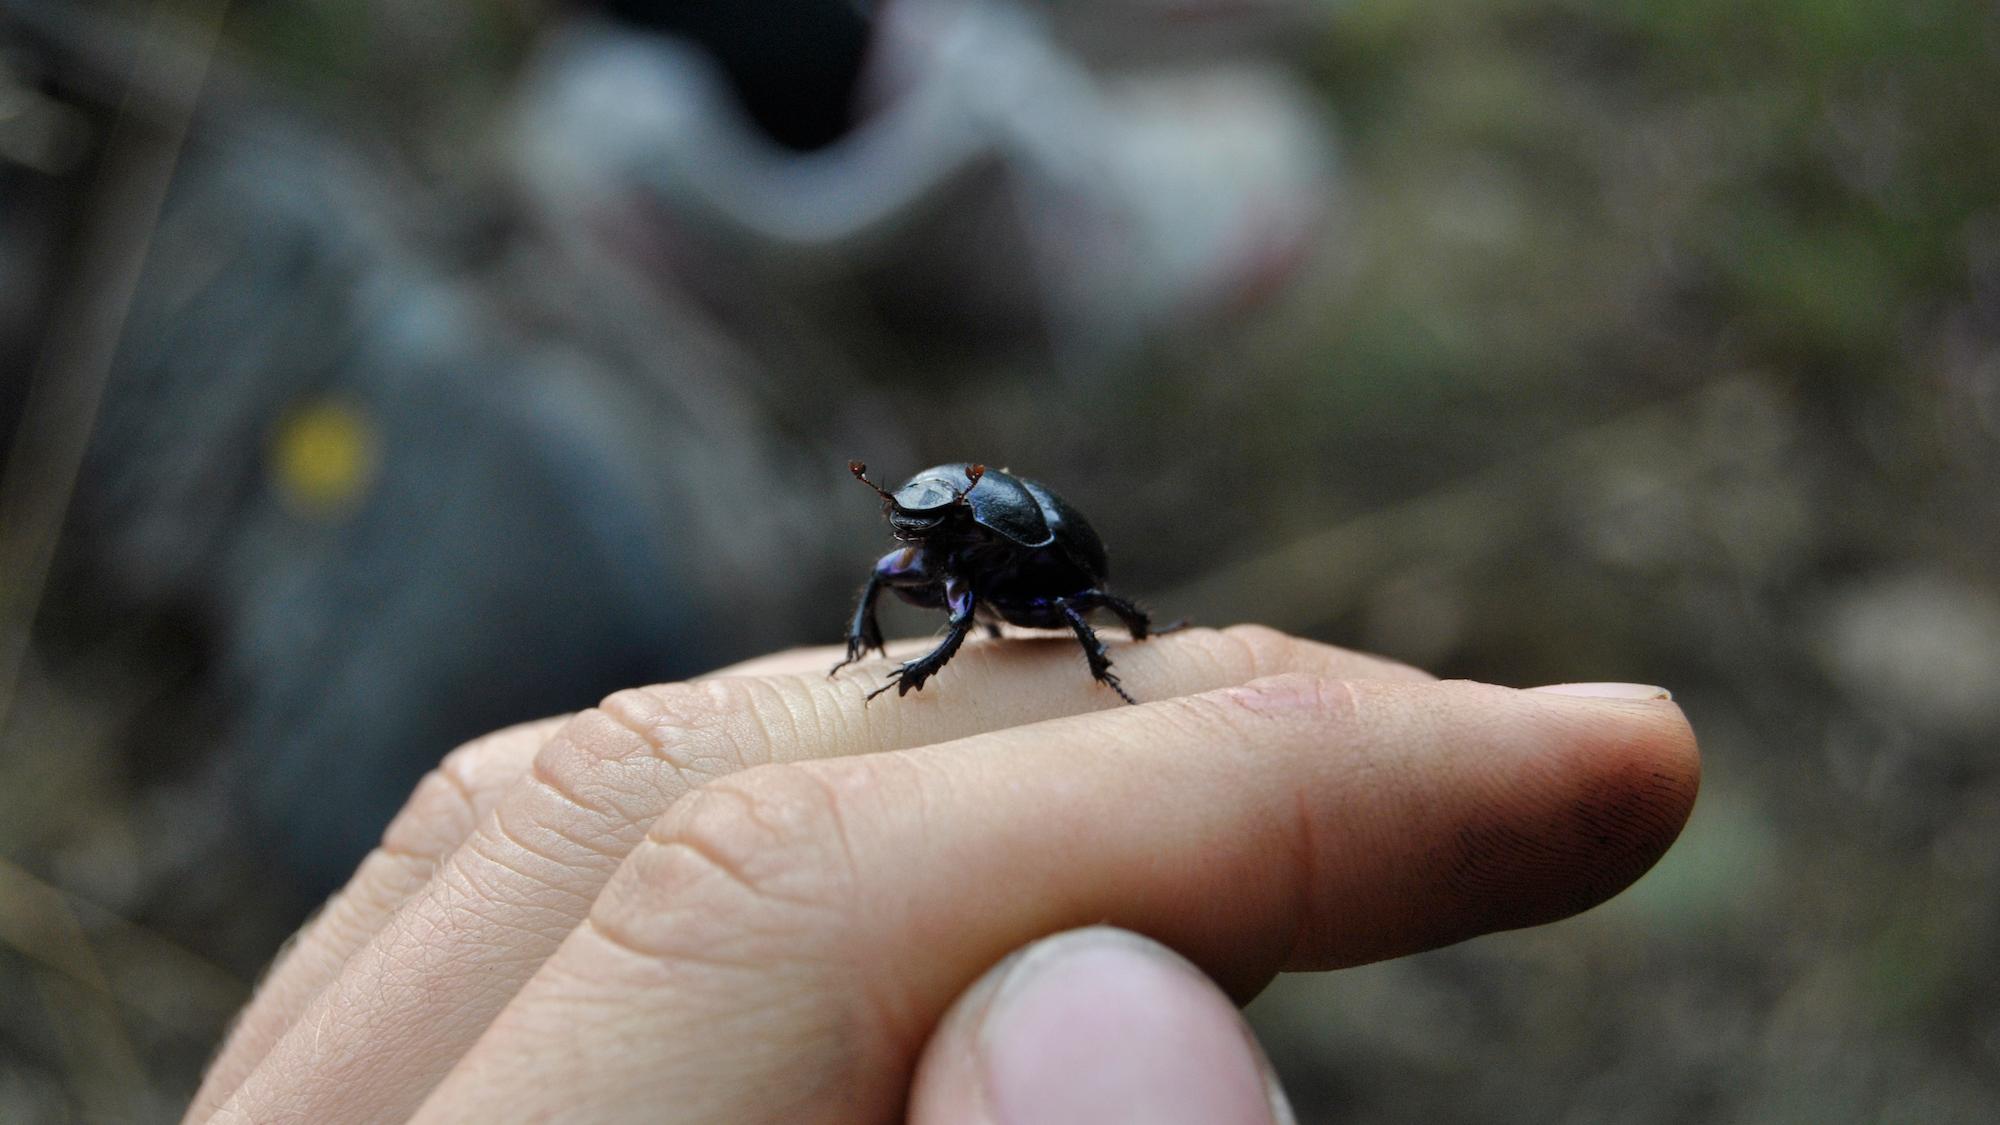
(751, 898)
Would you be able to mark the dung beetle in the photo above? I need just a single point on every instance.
(987, 546)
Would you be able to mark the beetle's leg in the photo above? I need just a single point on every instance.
(1093, 649)
(1135, 619)
(993, 630)
(864, 632)
(911, 675)
(902, 567)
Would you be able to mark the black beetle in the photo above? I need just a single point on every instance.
(987, 546)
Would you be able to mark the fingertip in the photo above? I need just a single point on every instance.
(1631, 735)
(1469, 808)
(1610, 788)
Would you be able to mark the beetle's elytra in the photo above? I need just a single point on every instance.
(987, 546)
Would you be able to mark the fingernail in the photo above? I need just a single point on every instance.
(1104, 1026)
(1608, 691)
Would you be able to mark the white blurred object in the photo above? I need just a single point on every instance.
(1110, 30)
(1922, 647)
(992, 186)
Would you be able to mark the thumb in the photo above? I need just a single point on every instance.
(1094, 1025)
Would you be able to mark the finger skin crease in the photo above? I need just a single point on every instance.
(468, 803)
(542, 773)
(835, 802)
(473, 927)
(668, 721)
(609, 854)
(899, 1015)
(774, 709)
(487, 889)
(1253, 643)
(615, 935)
(419, 856)
(1349, 708)
(688, 727)
(713, 825)
(888, 994)
(432, 822)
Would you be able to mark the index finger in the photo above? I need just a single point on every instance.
(786, 939)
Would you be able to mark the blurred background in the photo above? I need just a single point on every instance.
(374, 373)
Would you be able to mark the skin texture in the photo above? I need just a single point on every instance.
(751, 898)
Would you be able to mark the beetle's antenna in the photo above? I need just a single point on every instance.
(860, 472)
(972, 475)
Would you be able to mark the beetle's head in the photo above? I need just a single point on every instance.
(926, 505)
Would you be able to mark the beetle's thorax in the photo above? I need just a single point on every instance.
(927, 507)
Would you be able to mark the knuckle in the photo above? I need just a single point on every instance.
(759, 872)
(750, 858)
(502, 753)
(1263, 647)
(439, 813)
(687, 727)
(1320, 700)
(683, 723)
(771, 712)
(1270, 650)
(1259, 636)
(469, 759)
(448, 803)
(769, 829)
(450, 799)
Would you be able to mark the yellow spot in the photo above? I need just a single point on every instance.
(324, 457)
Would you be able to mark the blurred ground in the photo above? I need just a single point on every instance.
(1646, 342)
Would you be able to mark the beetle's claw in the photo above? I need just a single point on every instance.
(906, 678)
(1111, 682)
(896, 681)
(857, 651)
